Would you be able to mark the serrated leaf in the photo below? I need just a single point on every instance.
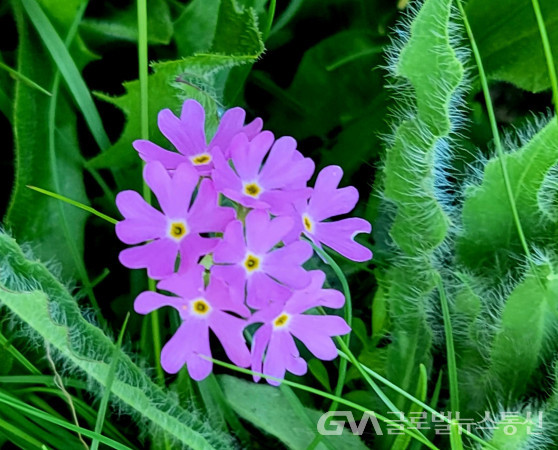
(267, 408)
(490, 236)
(37, 299)
(509, 40)
(202, 76)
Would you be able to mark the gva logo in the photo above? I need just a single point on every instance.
(335, 427)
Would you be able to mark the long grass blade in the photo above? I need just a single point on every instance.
(69, 71)
(17, 404)
(547, 53)
(75, 203)
(28, 81)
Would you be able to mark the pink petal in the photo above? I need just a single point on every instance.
(136, 231)
(205, 215)
(158, 257)
(219, 295)
(235, 278)
(228, 330)
(262, 234)
(315, 332)
(231, 249)
(253, 128)
(313, 295)
(248, 156)
(149, 301)
(231, 124)
(149, 151)
(282, 169)
(187, 134)
(340, 236)
(193, 246)
(259, 344)
(328, 201)
(188, 285)
(275, 363)
(223, 174)
(262, 291)
(284, 264)
(133, 206)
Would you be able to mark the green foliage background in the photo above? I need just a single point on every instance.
(387, 90)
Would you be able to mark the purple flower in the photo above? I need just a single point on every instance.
(200, 309)
(177, 229)
(187, 134)
(274, 184)
(328, 201)
(282, 322)
(250, 263)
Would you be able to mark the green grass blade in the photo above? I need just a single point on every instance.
(108, 385)
(547, 53)
(18, 356)
(69, 71)
(12, 429)
(29, 410)
(76, 204)
(450, 349)
(23, 78)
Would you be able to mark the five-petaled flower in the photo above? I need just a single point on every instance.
(200, 309)
(282, 322)
(246, 258)
(177, 229)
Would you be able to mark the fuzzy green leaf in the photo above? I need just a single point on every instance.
(429, 63)
(527, 333)
(509, 40)
(37, 299)
(489, 235)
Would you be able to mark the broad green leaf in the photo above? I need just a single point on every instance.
(37, 299)
(336, 98)
(267, 408)
(526, 335)
(55, 229)
(489, 234)
(122, 25)
(509, 40)
(319, 371)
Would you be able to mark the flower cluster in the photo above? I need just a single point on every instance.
(230, 239)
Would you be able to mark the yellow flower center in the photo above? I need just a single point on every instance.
(281, 321)
(251, 263)
(202, 158)
(177, 230)
(252, 189)
(307, 223)
(200, 307)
